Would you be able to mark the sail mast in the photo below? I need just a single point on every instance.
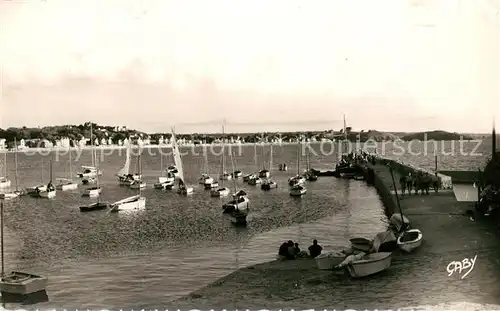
(92, 146)
(271, 157)
(223, 154)
(1, 225)
(70, 164)
(262, 152)
(15, 163)
(298, 157)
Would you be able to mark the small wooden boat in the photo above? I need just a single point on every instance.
(65, 184)
(248, 176)
(361, 244)
(239, 202)
(138, 184)
(329, 261)
(369, 264)
(16, 282)
(92, 192)
(94, 207)
(220, 192)
(164, 183)
(212, 185)
(410, 240)
(398, 222)
(296, 180)
(173, 170)
(298, 190)
(254, 181)
(264, 174)
(133, 203)
(268, 185)
(237, 174)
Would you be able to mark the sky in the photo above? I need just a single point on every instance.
(262, 65)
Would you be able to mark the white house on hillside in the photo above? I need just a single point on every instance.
(3, 143)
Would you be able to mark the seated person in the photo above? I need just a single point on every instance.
(315, 249)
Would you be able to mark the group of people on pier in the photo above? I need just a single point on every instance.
(291, 250)
(419, 181)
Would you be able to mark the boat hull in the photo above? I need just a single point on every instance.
(66, 187)
(237, 218)
(409, 245)
(206, 180)
(5, 184)
(10, 195)
(296, 181)
(135, 205)
(185, 191)
(33, 190)
(164, 185)
(138, 185)
(264, 174)
(329, 261)
(22, 283)
(237, 174)
(241, 205)
(269, 186)
(298, 192)
(218, 193)
(92, 192)
(370, 264)
(213, 185)
(47, 194)
(94, 207)
(254, 181)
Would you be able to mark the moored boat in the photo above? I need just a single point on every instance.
(220, 192)
(92, 192)
(329, 261)
(238, 217)
(268, 185)
(97, 206)
(296, 180)
(237, 174)
(65, 184)
(239, 202)
(254, 181)
(212, 185)
(133, 203)
(248, 176)
(88, 171)
(264, 173)
(298, 190)
(4, 181)
(164, 184)
(369, 264)
(205, 179)
(410, 240)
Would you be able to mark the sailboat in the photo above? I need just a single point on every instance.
(183, 188)
(297, 179)
(133, 203)
(248, 177)
(67, 183)
(35, 189)
(124, 176)
(94, 191)
(255, 178)
(238, 206)
(310, 175)
(408, 239)
(16, 193)
(268, 183)
(138, 183)
(222, 191)
(16, 282)
(164, 182)
(264, 173)
(50, 190)
(4, 181)
(90, 173)
(206, 180)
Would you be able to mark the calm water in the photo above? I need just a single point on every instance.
(178, 244)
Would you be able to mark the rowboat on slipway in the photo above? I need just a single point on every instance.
(16, 282)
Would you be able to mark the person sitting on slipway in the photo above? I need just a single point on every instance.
(315, 249)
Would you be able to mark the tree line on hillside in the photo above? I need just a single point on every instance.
(77, 132)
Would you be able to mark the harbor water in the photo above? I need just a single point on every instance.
(178, 244)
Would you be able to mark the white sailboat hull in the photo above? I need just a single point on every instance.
(134, 203)
(138, 185)
(47, 194)
(66, 187)
(296, 181)
(162, 180)
(41, 188)
(221, 192)
(242, 205)
(411, 245)
(92, 192)
(206, 180)
(168, 184)
(369, 264)
(248, 177)
(254, 181)
(5, 184)
(185, 190)
(22, 283)
(10, 195)
(297, 192)
(264, 174)
(226, 176)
